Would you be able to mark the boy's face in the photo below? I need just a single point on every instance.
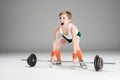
(64, 19)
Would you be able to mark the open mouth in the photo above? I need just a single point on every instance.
(62, 23)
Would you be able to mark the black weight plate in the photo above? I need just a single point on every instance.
(96, 63)
(32, 59)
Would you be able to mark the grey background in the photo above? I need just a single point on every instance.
(28, 25)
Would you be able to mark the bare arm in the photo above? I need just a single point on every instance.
(55, 38)
(74, 38)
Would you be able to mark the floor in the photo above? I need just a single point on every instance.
(12, 68)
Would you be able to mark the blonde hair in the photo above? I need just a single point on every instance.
(69, 14)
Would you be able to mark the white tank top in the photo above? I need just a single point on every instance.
(69, 35)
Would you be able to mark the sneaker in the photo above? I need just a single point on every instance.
(82, 64)
(57, 63)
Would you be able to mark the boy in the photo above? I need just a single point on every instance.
(66, 32)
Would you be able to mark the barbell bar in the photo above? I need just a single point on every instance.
(98, 61)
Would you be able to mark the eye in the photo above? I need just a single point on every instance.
(63, 17)
(60, 18)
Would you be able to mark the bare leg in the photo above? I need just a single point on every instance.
(60, 42)
(77, 53)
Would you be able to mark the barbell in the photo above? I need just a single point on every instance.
(98, 61)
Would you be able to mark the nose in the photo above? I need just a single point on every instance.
(61, 20)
